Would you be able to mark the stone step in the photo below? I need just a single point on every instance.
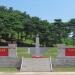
(35, 65)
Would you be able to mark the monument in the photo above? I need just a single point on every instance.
(9, 51)
(38, 62)
(8, 56)
(37, 46)
(38, 49)
(12, 47)
(65, 56)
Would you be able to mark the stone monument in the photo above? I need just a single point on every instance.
(12, 47)
(8, 56)
(65, 56)
(38, 62)
(37, 51)
(37, 48)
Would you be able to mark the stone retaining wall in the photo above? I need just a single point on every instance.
(10, 62)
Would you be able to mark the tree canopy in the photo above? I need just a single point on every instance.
(18, 25)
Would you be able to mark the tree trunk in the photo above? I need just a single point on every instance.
(18, 35)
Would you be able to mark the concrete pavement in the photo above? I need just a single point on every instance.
(38, 73)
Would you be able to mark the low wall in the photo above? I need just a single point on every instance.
(10, 62)
(63, 60)
(33, 50)
(60, 62)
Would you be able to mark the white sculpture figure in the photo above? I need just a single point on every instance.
(37, 46)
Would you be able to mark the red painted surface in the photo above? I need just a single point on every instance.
(70, 52)
(39, 57)
(3, 51)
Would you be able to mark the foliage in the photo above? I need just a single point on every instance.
(21, 26)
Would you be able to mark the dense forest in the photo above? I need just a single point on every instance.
(20, 26)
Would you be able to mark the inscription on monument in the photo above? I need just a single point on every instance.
(69, 51)
(3, 51)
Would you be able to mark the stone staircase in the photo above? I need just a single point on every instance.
(35, 65)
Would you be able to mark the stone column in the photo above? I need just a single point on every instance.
(37, 46)
(12, 47)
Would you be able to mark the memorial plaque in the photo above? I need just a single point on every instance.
(65, 56)
(3, 51)
(8, 56)
(70, 52)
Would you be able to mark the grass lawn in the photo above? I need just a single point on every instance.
(22, 52)
(51, 52)
(64, 69)
(8, 69)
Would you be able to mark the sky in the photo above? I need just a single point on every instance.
(44, 9)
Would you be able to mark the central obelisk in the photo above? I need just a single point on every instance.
(37, 53)
(37, 46)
